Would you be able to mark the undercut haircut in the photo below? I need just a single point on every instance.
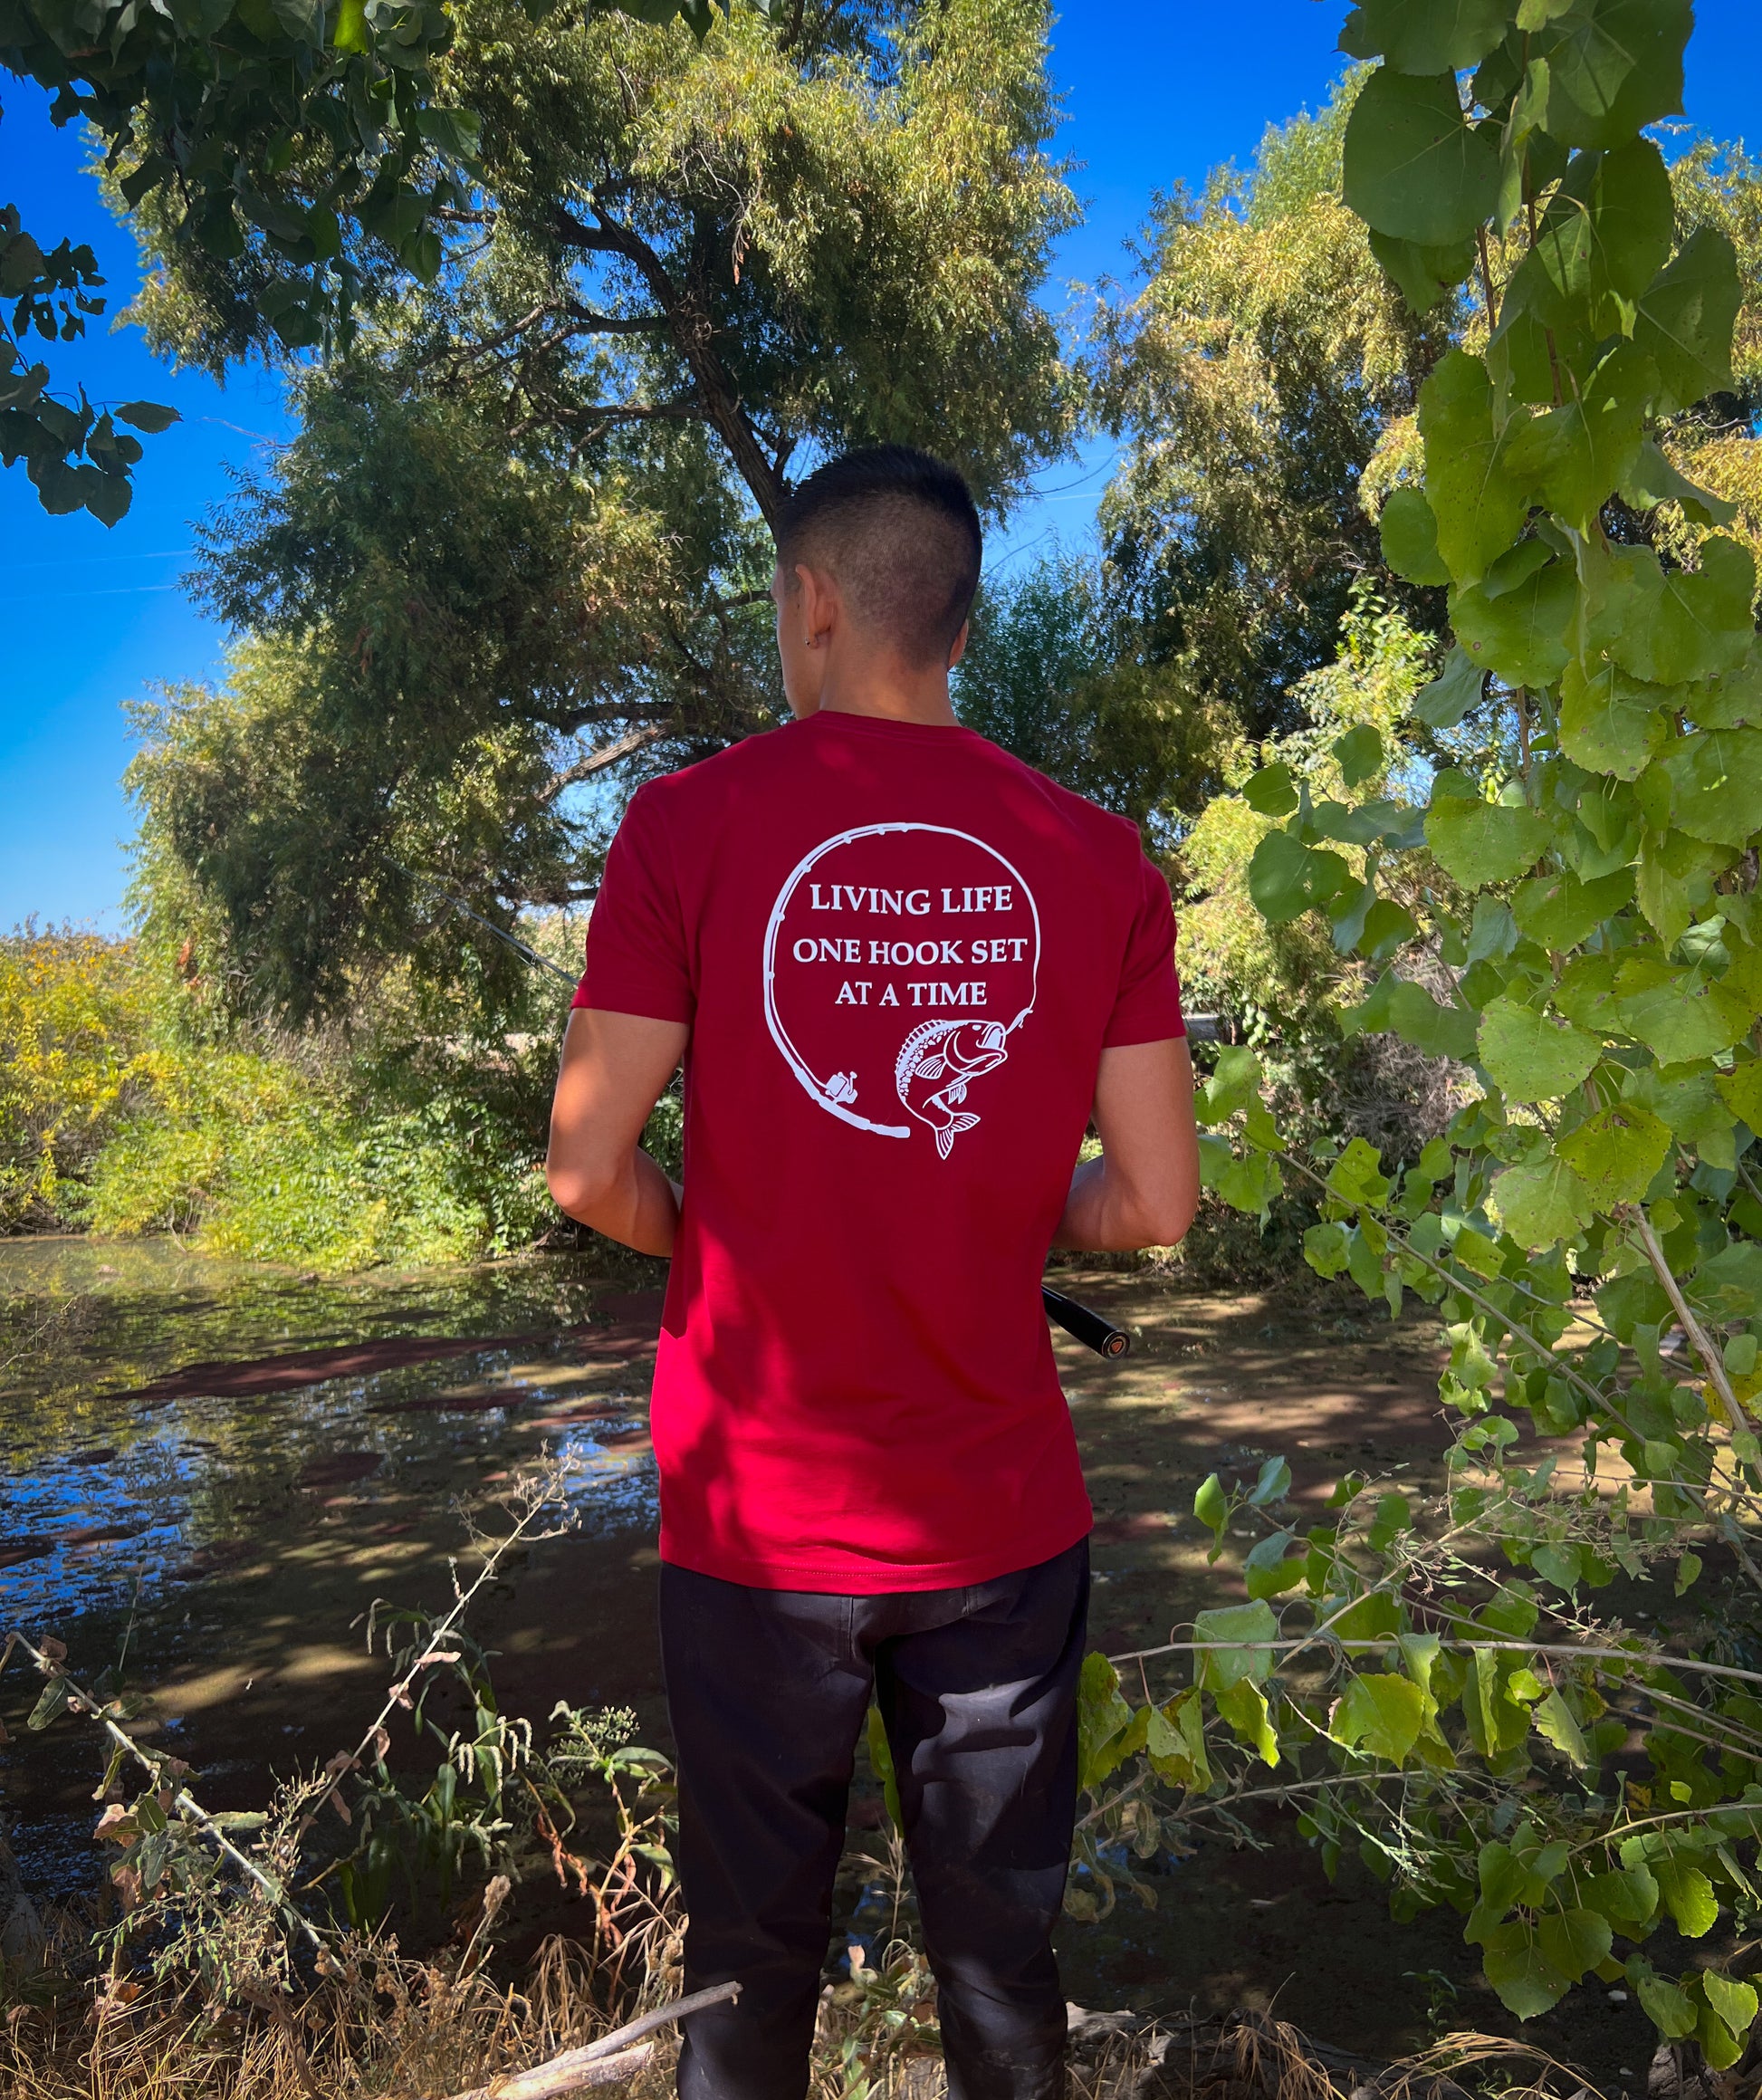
(898, 531)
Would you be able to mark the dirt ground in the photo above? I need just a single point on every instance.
(268, 1665)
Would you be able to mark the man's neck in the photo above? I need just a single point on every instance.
(889, 693)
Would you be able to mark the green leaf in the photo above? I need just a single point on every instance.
(1423, 276)
(1617, 1151)
(1628, 1895)
(1477, 502)
(1675, 1011)
(1517, 565)
(1560, 911)
(1459, 686)
(1271, 792)
(1665, 2005)
(53, 1701)
(1735, 2002)
(1395, 1515)
(1235, 1081)
(1286, 879)
(1668, 627)
(1617, 67)
(1324, 1249)
(1688, 1896)
(1717, 774)
(1729, 1283)
(1103, 1717)
(1690, 1108)
(147, 416)
(1174, 1741)
(1611, 723)
(1247, 1183)
(1245, 1629)
(1541, 1202)
(1685, 318)
(1741, 1091)
(1379, 1716)
(881, 1763)
(1688, 1571)
(1425, 36)
(1633, 221)
(1633, 1300)
(1653, 480)
(1528, 1056)
(1398, 1006)
(1553, 1719)
(1271, 1484)
(1244, 1706)
(1360, 754)
(1409, 532)
(1356, 1175)
(1478, 843)
(1211, 1505)
(1519, 635)
(106, 495)
(1495, 1723)
(1526, 1983)
(1414, 167)
(1574, 1942)
(1576, 457)
(1267, 1571)
(1562, 1565)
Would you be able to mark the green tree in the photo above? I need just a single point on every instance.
(306, 134)
(1043, 676)
(1572, 916)
(518, 550)
(1253, 380)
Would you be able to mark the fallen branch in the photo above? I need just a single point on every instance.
(566, 2074)
(607, 2062)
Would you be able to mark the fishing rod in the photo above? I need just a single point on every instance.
(1078, 1321)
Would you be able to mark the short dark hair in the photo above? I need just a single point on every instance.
(900, 532)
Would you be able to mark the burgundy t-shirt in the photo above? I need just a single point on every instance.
(901, 953)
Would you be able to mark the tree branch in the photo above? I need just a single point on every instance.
(601, 415)
(588, 322)
(604, 756)
(1699, 1340)
(692, 335)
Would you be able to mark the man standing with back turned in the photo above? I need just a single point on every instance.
(904, 972)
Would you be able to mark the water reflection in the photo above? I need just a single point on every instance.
(112, 1493)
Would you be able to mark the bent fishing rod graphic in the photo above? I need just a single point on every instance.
(1078, 1321)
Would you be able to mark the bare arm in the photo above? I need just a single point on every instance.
(615, 1067)
(1144, 1189)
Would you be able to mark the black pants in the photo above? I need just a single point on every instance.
(767, 1691)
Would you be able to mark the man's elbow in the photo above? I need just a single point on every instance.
(578, 1188)
(1164, 1223)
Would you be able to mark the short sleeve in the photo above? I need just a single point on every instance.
(1147, 1005)
(638, 959)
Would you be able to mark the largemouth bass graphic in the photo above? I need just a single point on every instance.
(936, 1065)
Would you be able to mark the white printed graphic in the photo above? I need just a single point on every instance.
(835, 978)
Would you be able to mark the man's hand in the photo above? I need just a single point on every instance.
(615, 1067)
(1144, 1190)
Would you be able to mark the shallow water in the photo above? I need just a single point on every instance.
(108, 1492)
(214, 1524)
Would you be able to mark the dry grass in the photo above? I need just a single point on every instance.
(379, 2025)
(376, 2025)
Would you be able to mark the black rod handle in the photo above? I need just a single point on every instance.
(1087, 1328)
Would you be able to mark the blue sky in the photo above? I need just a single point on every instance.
(93, 618)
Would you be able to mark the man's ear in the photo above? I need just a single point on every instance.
(960, 648)
(816, 604)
